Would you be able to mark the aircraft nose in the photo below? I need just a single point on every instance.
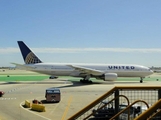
(151, 71)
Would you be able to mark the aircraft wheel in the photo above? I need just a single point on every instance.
(90, 82)
(141, 81)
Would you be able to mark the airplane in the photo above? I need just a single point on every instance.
(106, 72)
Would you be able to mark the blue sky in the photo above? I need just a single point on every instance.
(82, 31)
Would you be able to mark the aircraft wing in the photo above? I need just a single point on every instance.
(22, 66)
(87, 70)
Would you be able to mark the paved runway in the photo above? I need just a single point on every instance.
(73, 98)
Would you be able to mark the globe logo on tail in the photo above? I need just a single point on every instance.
(31, 58)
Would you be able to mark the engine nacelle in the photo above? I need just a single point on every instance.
(109, 76)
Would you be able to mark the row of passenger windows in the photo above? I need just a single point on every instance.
(101, 68)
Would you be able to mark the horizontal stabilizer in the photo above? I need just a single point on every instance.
(20, 66)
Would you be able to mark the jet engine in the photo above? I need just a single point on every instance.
(109, 77)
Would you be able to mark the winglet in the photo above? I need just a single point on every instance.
(28, 56)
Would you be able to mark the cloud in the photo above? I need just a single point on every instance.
(80, 50)
(8, 50)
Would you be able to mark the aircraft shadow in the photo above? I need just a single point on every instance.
(79, 84)
(73, 82)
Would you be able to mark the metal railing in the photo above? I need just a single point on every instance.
(106, 105)
(127, 108)
(150, 94)
(151, 113)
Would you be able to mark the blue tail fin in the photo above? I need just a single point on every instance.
(28, 56)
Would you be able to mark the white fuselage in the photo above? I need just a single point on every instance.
(60, 69)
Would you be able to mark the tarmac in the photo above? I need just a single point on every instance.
(74, 97)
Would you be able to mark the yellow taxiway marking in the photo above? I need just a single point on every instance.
(67, 108)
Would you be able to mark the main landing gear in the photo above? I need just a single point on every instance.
(86, 79)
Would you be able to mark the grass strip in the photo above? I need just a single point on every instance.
(22, 78)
